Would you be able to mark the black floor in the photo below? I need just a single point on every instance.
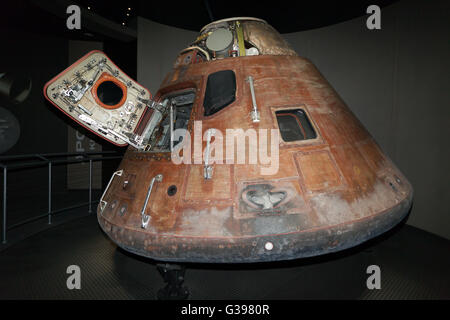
(414, 265)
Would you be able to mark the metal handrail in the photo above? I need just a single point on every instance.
(49, 160)
(44, 158)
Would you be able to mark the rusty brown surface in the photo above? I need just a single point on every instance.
(340, 188)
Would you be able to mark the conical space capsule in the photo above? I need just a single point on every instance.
(245, 153)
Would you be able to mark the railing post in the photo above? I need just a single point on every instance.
(49, 192)
(45, 157)
(90, 185)
(5, 172)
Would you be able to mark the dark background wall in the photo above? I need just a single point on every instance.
(157, 48)
(41, 57)
(396, 81)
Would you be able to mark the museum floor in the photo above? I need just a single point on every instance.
(414, 265)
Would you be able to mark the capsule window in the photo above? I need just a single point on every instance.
(220, 91)
(109, 93)
(294, 125)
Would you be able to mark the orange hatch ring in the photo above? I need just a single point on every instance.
(107, 77)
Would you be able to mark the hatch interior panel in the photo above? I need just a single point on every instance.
(97, 94)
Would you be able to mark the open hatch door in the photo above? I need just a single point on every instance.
(102, 98)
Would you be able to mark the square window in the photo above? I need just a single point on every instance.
(294, 125)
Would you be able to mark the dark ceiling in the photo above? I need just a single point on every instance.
(285, 16)
(49, 17)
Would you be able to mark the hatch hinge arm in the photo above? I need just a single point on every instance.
(152, 104)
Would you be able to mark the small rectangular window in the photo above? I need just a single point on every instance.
(294, 125)
(220, 91)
